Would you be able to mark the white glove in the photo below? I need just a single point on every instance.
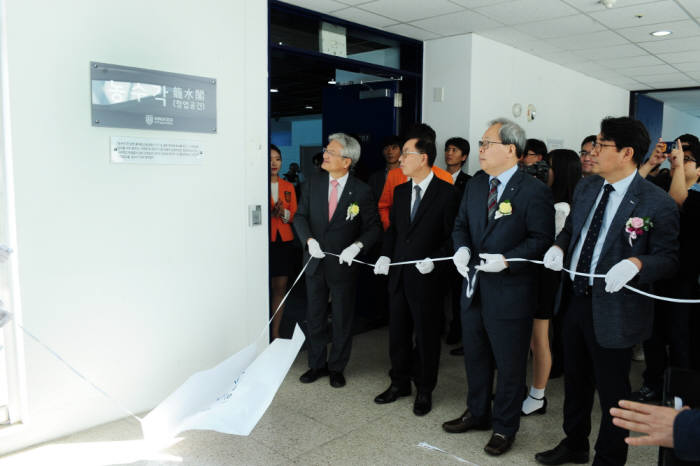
(619, 275)
(315, 249)
(425, 266)
(554, 258)
(349, 254)
(463, 270)
(4, 253)
(382, 266)
(461, 257)
(491, 263)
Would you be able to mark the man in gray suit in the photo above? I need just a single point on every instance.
(337, 214)
(626, 228)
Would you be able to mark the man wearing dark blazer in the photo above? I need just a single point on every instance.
(337, 214)
(627, 229)
(504, 214)
(422, 217)
(456, 154)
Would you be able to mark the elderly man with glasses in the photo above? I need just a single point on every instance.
(337, 214)
(504, 214)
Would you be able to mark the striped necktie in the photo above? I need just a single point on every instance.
(493, 197)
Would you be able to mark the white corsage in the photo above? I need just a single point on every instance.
(504, 209)
(353, 210)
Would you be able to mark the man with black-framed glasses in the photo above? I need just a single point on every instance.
(624, 228)
(586, 154)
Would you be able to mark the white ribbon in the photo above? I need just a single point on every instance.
(471, 282)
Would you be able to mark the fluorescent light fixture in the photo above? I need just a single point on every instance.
(331, 81)
(661, 33)
(309, 107)
(273, 90)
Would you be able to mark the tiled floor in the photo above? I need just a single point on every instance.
(317, 424)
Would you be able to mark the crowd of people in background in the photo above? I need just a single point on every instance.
(604, 209)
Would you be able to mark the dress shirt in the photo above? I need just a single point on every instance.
(614, 202)
(455, 175)
(423, 186)
(504, 178)
(341, 184)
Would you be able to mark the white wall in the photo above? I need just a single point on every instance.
(676, 122)
(137, 275)
(447, 65)
(569, 104)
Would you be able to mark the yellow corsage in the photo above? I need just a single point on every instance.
(353, 210)
(504, 208)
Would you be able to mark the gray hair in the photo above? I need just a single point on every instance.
(511, 133)
(351, 148)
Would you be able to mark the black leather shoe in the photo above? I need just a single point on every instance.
(423, 404)
(540, 410)
(337, 379)
(466, 422)
(313, 374)
(457, 351)
(499, 444)
(391, 394)
(646, 394)
(561, 454)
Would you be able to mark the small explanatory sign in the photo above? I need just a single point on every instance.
(156, 151)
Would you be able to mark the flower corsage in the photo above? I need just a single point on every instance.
(504, 208)
(636, 226)
(353, 210)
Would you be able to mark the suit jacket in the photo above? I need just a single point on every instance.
(624, 318)
(526, 233)
(428, 235)
(376, 183)
(461, 182)
(285, 193)
(311, 221)
(686, 432)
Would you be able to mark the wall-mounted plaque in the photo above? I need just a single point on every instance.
(155, 151)
(126, 97)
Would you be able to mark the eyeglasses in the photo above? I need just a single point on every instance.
(596, 144)
(688, 158)
(332, 152)
(485, 144)
(407, 152)
(584, 153)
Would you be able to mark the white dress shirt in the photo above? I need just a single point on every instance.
(341, 184)
(423, 187)
(504, 178)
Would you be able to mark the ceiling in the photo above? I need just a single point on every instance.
(613, 45)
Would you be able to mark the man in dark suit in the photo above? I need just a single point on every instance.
(456, 154)
(337, 214)
(422, 217)
(504, 214)
(626, 228)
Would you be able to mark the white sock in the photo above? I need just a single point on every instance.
(534, 401)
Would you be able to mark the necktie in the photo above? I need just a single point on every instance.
(333, 200)
(416, 202)
(584, 260)
(493, 197)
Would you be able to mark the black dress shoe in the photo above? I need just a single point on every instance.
(499, 444)
(337, 379)
(466, 422)
(561, 454)
(313, 374)
(540, 410)
(457, 351)
(646, 394)
(391, 394)
(423, 404)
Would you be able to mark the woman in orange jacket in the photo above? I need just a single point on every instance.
(283, 205)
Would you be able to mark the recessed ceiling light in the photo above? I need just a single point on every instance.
(273, 90)
(661, 33)
(332, 81)
(309, 107)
